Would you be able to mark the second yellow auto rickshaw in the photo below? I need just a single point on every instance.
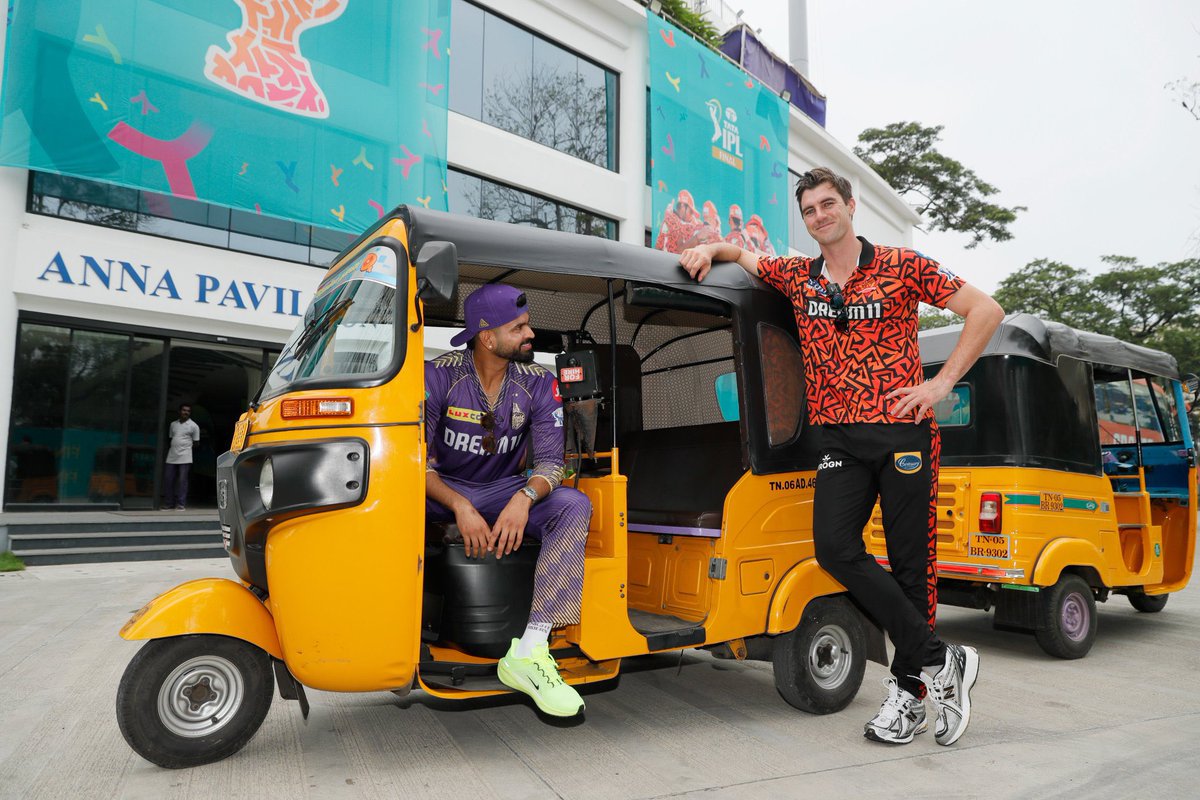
(1068, 474)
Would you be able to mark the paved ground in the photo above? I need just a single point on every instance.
(1122, 722)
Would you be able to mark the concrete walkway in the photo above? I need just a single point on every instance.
(1122, 722)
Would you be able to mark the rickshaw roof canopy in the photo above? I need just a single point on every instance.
(1029, 336)
(501, 244)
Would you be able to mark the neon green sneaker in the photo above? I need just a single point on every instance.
(537, 676)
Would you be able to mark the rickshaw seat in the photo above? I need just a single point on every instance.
(679, 477)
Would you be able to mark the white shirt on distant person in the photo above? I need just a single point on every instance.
(182, 434)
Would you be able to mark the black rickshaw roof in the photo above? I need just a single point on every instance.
(1029, 336)
(500, 244)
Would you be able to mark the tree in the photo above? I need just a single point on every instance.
(682, 14)
(1156, 306)
(953, 198)
(930, 318)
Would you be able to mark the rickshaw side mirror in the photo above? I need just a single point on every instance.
(1191, 386)
(437, 272)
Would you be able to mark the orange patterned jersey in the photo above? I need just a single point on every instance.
(849, 374)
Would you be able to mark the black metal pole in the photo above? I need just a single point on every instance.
(612, 338)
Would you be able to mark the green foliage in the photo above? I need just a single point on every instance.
(681, 13)
(953, 198)
(930, 318)
(1156, 306)
(10, 563)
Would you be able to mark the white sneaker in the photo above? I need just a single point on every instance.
(950, 690)
(900, 718)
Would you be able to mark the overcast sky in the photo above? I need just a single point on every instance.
(1060, 105)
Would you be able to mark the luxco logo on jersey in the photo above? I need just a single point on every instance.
(828, 463)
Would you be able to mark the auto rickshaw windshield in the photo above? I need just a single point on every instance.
(348, 330)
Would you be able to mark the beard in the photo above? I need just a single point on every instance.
(517, 354)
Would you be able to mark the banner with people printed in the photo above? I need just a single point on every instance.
(327, 112)
(718, 149)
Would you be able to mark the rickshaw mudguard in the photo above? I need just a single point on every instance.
(801, 584)
(207, 605)
(1059, 554)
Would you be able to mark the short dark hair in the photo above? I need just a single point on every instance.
(182, 406)
(818, 175)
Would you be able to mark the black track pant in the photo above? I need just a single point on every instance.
(898, 463)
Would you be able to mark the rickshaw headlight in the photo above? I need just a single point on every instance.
(266, 484)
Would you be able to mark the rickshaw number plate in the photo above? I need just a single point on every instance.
(989, 545)
(239, 435)
(1052, 501)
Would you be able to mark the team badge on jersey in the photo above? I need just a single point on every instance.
(558, 417)
(908, 463)
(518, 416)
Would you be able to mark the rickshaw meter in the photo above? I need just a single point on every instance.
(266, 484)
(989, 512)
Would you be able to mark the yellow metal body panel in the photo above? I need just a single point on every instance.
(346, 585)
(208, 605)
(1052, 520)
(771, 570)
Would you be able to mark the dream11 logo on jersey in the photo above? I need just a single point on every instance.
(727, 141)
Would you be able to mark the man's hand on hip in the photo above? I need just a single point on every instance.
(918, 399)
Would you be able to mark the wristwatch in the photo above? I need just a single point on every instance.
(530, 492)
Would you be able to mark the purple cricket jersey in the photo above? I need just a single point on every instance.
(528, 405)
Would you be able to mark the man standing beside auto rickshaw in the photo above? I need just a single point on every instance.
(856, 309)
(482, 406)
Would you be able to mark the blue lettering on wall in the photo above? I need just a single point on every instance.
(57, 266)
(126, 276)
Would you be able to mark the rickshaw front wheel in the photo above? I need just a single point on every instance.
(819, 666)
(1148, 603)
(191, 700)
(1067, 618)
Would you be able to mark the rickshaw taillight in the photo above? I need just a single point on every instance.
(989, 512)
(317, 407)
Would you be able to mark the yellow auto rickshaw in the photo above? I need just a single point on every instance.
(689, 442)
(1068, 474)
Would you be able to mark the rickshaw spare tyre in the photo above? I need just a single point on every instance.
(1067, 618)
(1148, 603)
(819, 666)
(191, 700)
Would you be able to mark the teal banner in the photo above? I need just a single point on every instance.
(718, 149)
(327, 112)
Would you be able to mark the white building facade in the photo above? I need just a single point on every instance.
(116, 306)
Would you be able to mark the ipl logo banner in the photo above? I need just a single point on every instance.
(705, 109)
(727, 141)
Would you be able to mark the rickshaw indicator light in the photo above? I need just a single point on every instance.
(266, 484)
(990, 515)
(297, 408)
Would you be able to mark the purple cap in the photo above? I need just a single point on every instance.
(490, 306)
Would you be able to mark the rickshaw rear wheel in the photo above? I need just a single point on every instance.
(1067, 618)
(191, 700)
(1148, 603)
(819, 666)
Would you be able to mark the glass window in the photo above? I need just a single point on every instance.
(466, 60)
(509, 77)
(1164, 399)
(141, 442)
(39, 400)
(783, 387)
(508, 101)
(955, 409)
(1114, 411)
(479, 197)
(90, 465)
(187, 220)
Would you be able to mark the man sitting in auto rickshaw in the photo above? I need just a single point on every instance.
(482, 404)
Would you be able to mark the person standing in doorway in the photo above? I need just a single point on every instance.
(183, 433)
(856, 309)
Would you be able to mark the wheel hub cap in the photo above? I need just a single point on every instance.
(200, 696)
(829, 657)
